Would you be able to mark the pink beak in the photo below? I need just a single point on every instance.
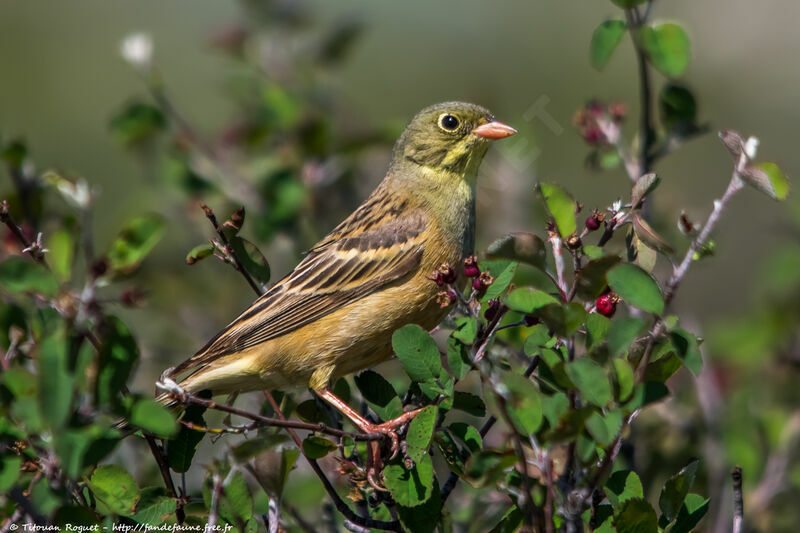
(494, 130)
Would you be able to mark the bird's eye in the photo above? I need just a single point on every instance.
(448, 122)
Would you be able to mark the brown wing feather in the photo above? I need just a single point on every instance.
(348, 264)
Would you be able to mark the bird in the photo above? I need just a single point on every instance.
(334, 314)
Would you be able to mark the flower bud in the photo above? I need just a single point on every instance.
(471, 269)
(483, 281)
(446, 298)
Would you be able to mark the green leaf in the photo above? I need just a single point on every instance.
(420, 432)
(643, 187)
(510, 522)
(591, 279)
(272, 468)
(134, 242)
(667, 46)
(591, 380)
(623, 485)
(153, 417)
(662, 368)
(645, 393)
(251, 259)
(624, 379)
(604, 427)
(9, 471)
(181, 449)
(677, 107)
(137, 123)
(469, 435)
(466, 329)
(317, 447)
(423, 518)
(55, 382)
(410, 488)
(198, 253)
(380, 394)
(767, 178)
(457, 358)
(469, 403)
(687, 348)
(486, 466)
(451, 452)
(675, 490)
(561, 206)
(597, 327)
(636, 516)
(625, 4)
(622, 333)
(417, 352)
(20, 275)
(692, 511)
(605, 39)
(520, 246)
(523, 403)
(116, 359)
(116, 488)
(555, 407)
(528, 299)
(501, 283)
(636, 287)
(154, 507)
(80, 448)
(538, 337)
(61, 248)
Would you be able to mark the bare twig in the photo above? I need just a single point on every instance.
(163, 467)
(32, 249)
(646, 132)
(283, 422)
(738, 501)
(229, 251)
(216, 494)
(341, 506)
(453, 478)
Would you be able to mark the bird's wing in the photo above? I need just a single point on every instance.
(348, 264)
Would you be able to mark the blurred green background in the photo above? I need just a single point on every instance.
(63, 80)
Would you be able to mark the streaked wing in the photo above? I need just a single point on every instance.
(351, 262)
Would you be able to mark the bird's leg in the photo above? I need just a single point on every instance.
(388, 428)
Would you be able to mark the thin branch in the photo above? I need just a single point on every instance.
(738, 501)
(558, 259)
(230, 253)
(32, 249)
(341, 506)
(187, 398)
(163, 467)
(646, 131)
(525, 503)
(453, 478)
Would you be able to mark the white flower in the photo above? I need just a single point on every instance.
(751, 147)
(137, 49)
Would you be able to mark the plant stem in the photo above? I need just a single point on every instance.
(229, 252)
(278, 422)
(738, 501)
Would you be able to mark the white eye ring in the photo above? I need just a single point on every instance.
(449, 122)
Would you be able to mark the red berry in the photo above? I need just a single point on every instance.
(481, 282)
(592, 223)
(606, 304)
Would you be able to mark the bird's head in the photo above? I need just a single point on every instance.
(451, 137)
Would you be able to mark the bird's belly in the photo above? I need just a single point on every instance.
(349, 339)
